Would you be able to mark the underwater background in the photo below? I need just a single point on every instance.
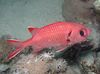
(17, 15)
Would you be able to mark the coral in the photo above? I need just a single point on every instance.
(32, 64)
(46, 63)
(97, 5)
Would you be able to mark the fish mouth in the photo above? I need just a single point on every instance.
(89, 31)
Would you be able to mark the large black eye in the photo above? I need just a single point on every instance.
(81, 33)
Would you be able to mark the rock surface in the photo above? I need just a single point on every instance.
(76, 9)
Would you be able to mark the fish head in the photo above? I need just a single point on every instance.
(79, 33)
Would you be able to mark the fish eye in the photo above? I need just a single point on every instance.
(81, 33)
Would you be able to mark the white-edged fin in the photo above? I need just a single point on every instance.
(14, 42)
(32, 30)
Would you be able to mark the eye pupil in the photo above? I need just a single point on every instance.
(81, 33)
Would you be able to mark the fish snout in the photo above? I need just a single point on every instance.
(88, 31)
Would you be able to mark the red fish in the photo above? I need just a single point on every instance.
(57, 35)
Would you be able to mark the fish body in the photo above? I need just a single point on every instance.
(58, 35)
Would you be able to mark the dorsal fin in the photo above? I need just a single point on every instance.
(32, 30)
(14, 42)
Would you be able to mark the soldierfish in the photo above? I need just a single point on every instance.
(58, 35)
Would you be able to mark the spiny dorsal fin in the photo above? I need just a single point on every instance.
(32, 30)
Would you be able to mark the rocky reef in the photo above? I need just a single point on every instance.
(76, 59)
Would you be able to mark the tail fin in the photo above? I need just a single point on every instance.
(18, 49)
(14, 42)
(20, 46)
(14, 53)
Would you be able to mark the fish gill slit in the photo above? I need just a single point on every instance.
(69, 33)
(68, 40)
